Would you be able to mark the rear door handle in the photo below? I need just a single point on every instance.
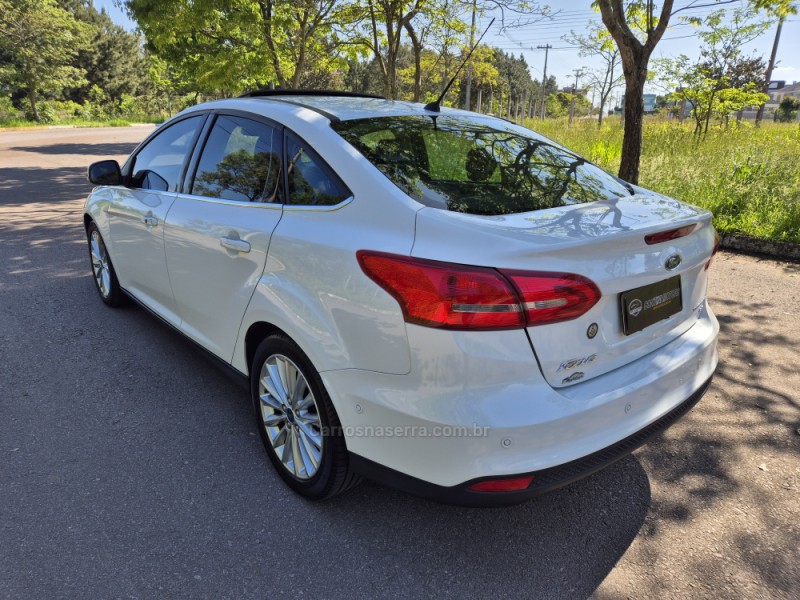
(234, 244)
(150, 220)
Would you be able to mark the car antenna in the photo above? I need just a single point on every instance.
(435, 105)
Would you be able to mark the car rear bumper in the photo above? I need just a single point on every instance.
(476, 406)
(544, 481)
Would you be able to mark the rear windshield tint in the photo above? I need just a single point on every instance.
(477, 166)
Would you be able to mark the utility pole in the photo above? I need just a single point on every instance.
(578, 73)
(468, 98)
(546, 49)
(768, 75)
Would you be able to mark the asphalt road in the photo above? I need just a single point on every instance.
(130, 468)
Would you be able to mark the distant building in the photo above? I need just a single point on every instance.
(649, 103)
(778, 90)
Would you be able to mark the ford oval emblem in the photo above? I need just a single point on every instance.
(672, 262)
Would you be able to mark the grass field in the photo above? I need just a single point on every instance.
(748, 177)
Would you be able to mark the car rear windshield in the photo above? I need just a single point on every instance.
(477, 166)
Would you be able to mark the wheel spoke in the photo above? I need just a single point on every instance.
(271, 401)
(272, 383)
(296, 456)
(286, 375)
(280, 439)
(275, 419)
(314, 437)
(311, 453)
(305, 402)
(298, 389)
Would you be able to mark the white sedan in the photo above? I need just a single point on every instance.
(442, 301)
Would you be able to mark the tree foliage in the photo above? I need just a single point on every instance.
(724, 80)
(40, 41)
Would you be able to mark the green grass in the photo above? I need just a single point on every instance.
(748, 177)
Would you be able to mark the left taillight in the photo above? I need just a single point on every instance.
(454, 296)
(446, 295)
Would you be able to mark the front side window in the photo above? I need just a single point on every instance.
(159, 165)
(311, 182)
(477, 166)
(240, 161)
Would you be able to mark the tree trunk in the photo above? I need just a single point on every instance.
(634, 118)
(708, 113)
(266, 7)
(480, 99)
(602, 111)
(416, 47)
(32, 99)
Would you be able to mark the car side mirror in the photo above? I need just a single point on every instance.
(105, 172)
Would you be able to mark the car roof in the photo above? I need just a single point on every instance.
(345, 108)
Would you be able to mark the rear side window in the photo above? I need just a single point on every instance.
(477, 166)
(159, 165)
(311, 182)
(240, 161)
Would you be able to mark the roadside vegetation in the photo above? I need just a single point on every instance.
(749, 177)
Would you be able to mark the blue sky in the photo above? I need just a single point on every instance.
(577, 14)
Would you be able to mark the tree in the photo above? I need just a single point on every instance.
(721, 60)
(240, 44)
(386, 21)
(598, 42)
(113, 59)
(41, 41)
(624, 23)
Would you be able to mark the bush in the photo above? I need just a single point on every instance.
(7, 110)
(787, 110)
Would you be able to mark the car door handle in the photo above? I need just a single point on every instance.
(150, 220)
(234, 244)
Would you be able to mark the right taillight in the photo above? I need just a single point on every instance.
(714, 251)
(454, 296)
(553, 297)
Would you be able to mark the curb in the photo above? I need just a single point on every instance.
(770, 248)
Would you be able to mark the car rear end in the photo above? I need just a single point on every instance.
(545, 343)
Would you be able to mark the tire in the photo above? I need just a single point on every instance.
(300, 429)
(103, 273)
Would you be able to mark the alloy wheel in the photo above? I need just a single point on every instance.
(100, 265)
(290, 416)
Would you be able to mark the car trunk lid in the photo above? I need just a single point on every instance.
(663, 282)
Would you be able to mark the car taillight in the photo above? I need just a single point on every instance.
(553, 297)
(439, 294)
(714, 251)
(514, 484)
(454, 296)
(670, 234)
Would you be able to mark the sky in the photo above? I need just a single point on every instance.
(577, 15)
